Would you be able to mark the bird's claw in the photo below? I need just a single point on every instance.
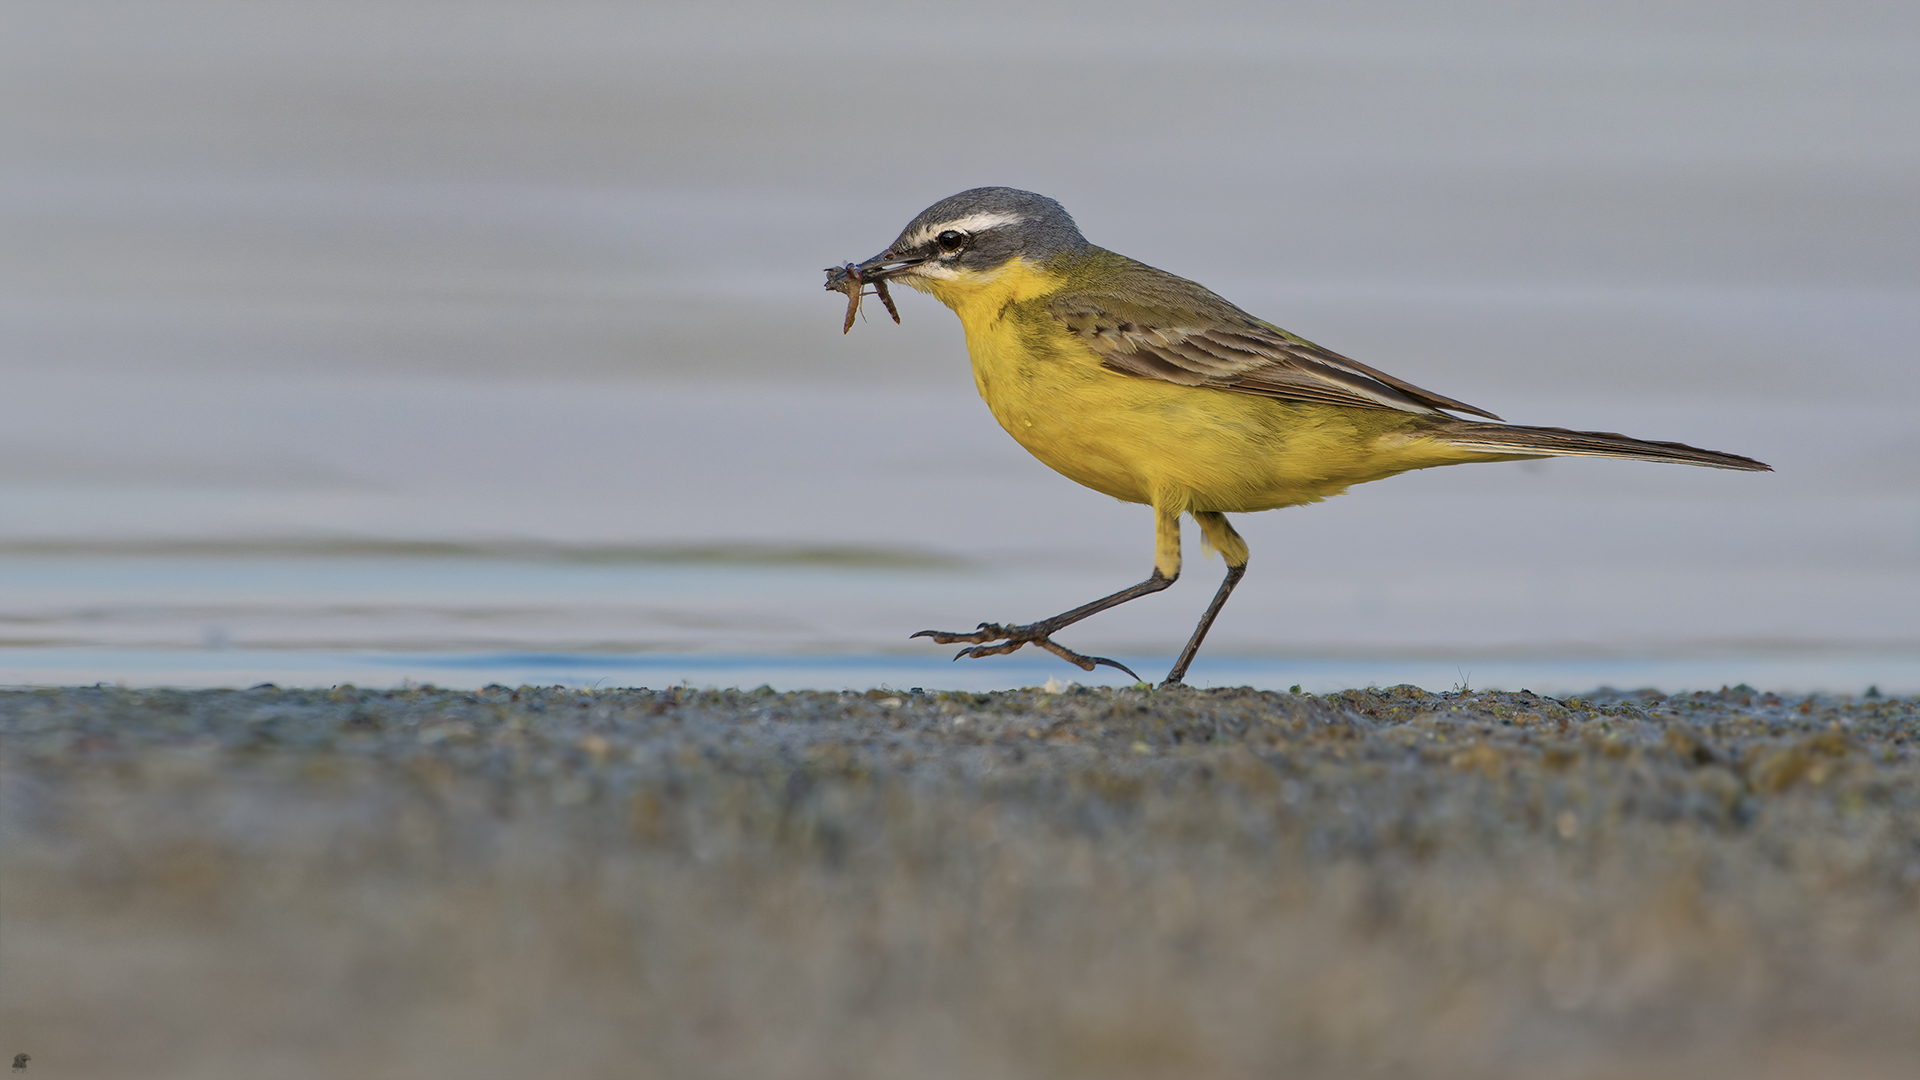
(1011, 638)
(987, 631)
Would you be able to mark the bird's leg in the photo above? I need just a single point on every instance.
(1166, 569)
(1179, 672)
(1039, 633)
(1234, 550)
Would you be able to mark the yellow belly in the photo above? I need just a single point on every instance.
(1184, 448)
(1178, 448)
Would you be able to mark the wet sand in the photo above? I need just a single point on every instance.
(1088, 882)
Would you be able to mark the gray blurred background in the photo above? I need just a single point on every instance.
(485, 329)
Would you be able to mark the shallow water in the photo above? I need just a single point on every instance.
(1855, 672)
(420, 536)
(791, 619)
(388, 338)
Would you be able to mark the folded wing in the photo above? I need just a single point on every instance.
(1178, 331)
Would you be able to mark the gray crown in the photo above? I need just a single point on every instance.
(1040, 229)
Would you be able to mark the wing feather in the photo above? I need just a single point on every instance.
(1158, 326)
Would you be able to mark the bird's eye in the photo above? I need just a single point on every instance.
(951, 240)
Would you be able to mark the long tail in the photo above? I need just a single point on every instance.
(1559, 442)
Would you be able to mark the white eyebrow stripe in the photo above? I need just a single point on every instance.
(972, 223)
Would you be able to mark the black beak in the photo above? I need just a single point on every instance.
(879, 268)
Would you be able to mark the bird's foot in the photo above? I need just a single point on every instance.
(1010, 638)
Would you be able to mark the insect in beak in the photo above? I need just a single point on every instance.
(852, 280)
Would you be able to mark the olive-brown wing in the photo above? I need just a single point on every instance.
(1164, 327)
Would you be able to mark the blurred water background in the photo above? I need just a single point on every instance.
(484, 341)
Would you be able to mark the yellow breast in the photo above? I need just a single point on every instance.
(1180, 448)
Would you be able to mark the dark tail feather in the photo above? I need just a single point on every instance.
(1559, 442)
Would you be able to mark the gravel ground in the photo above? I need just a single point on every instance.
(1098, 883)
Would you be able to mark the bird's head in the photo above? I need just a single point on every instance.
(973, 238)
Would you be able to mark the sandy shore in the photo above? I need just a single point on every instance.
(1099, 883)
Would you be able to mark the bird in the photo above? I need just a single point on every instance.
(1153, 389)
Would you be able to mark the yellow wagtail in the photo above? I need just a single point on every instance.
(1150, 388)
